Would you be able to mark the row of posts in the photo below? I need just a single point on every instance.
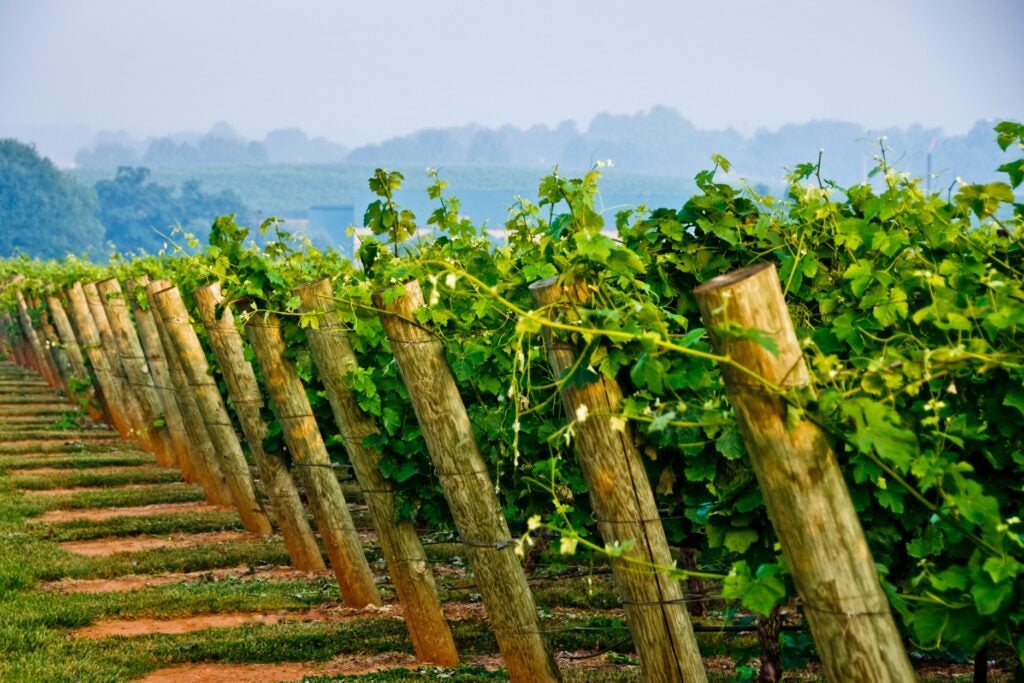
(151, 381)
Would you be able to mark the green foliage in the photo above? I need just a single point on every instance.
(910, 308)
(43, 213)
(140, 215)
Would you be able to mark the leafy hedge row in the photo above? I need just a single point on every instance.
(910, 307)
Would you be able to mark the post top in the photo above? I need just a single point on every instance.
(731, 278)
(545, 283)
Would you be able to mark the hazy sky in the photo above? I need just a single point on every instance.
(359, 72)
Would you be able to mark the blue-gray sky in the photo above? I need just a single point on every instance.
(360, 72)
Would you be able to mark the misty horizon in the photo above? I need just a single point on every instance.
(60, 144)
(360, 75)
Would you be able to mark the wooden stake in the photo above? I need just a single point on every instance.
(803, 487)
(407, 561)
(79, 372)
(469, 489)
(245, 396)
(37, 355)
(215, 414)
(205, 462)
(126, 396)
(12, 338)
(136, 368)
(89, 338)
(152, 348)
(309, 455)
(57, 355)
(625, 510)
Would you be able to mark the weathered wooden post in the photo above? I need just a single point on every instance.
(89, 338)
(136, 368)
(211, 405)
(803, 487)
(247, 400)
(197, 442)
(12, 338)
(625, 510)
(309, 454)
(39, 359)
(108, 345)
(469, 489)
(57, 355)
(152, 349)
(79, 385)
(400, 545)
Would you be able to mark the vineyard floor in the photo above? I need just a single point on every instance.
(113, 569)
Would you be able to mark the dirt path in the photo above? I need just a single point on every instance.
(135, 582)
(347, 665)
(102, 547)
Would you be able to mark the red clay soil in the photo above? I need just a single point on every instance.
(101, 547)
(101, 514)
(134, 582)
(140, 627)
(347, 665)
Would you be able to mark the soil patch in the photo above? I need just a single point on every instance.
(460, 611)
(347, 665)
(344, 665)
(135, 582)
(142, 627)
(101, 514)
(108, 546)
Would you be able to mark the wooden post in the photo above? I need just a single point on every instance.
(79, 379)
(625, 510)
(57, 355)
(245, 396)
(200, 447)
(403, 552)
(211, 405)
(152, 348)
(11, 337)
(89, 338)
(803, 487)
(469, 489)
(48, 360)
(309, 455)
(38, 357)
(136, 368)
(108, 344)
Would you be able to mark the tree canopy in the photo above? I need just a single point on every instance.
(43, 212)
(139, 213)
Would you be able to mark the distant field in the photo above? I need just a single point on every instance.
(486, 193)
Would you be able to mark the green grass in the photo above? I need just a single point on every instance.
(92, 477)
(159, 525)
(579, 613)
(106, 459)
(175, 492)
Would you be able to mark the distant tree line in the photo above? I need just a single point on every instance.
(47, 213)
(221, 146)
(659, 141)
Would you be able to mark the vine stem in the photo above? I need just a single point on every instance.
(541, 320)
